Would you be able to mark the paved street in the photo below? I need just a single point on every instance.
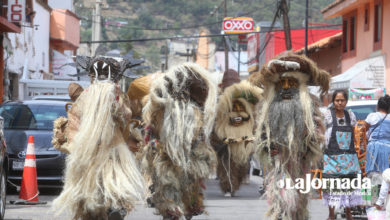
(245, 205)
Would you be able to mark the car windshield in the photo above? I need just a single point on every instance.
(361, 111)
(30, 117)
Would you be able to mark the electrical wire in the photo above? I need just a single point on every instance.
(260, 52)
(168, 29)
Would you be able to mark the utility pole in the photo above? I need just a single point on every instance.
(286, 23)
(306, 24)
(96, 26)
(166, 55)
(225, 44)
(239, 57)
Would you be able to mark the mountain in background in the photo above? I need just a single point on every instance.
(138, 19)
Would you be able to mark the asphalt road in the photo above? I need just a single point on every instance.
(246, 205)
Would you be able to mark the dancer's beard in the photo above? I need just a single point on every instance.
(286, 119)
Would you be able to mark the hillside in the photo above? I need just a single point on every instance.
(163, 18)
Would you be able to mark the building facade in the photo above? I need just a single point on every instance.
(365, 61)
(5, 27)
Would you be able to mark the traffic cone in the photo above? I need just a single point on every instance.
(29, 187)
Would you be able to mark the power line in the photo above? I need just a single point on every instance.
(162, 38)
(177, 28)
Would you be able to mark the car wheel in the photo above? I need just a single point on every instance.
(3, 194)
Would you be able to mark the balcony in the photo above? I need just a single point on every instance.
(64, 30)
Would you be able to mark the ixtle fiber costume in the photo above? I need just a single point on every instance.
(179, 116)
(288, 129)
(101, 172)
(233, 134)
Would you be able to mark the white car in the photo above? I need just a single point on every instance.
(52, 98)
(361, 108)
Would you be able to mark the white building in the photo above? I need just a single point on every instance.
(30, 48)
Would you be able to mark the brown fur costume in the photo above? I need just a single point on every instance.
(65, 128)
(233, 140)
(291, 126)
(180, 114)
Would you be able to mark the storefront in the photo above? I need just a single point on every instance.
(366, 74)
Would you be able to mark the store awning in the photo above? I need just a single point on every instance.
(366, 74)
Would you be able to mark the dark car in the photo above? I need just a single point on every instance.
(3, 170)
(33, 118)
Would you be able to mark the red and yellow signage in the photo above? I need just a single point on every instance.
(238, 25)
(16, 10)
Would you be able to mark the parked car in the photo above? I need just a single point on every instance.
(52, 97)
(361, 108)
(3, 170)
(33, 118)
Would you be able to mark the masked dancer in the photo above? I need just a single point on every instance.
(288, 129)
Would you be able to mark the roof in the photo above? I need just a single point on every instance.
(66, 11)
(341, 7)
(331, 5)
(321, 44)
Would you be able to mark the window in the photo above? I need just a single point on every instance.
(30, 13)
(378, 11)
(367, 17)
(349, 35)
(345, 36)
(30, 117)
(352, 34)
(3, 9)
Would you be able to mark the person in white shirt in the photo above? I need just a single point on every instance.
(384, 196)
(378, 148)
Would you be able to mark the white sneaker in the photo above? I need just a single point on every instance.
(228, 194)
(247, 180)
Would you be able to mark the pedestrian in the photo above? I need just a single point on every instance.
(384, 196)
(340, 158)
(378, 148)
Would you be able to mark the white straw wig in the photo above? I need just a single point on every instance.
(101, 172)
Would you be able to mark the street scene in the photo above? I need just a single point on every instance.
(173, 110)
(246, 205)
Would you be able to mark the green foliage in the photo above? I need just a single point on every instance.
(146, 14)
(86, 35)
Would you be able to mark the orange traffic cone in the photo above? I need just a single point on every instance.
(29, 187)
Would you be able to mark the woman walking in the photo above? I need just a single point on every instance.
(340, 159)
(378, 148)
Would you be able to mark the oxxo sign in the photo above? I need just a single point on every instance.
(16, 10)
(238, 25)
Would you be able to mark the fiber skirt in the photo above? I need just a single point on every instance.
(377, 156)
(340, 200)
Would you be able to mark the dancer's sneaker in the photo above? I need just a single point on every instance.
(228, 194)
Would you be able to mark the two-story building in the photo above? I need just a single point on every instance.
(49, 37)
(29, 54)
(365, 60)
(5, 27)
